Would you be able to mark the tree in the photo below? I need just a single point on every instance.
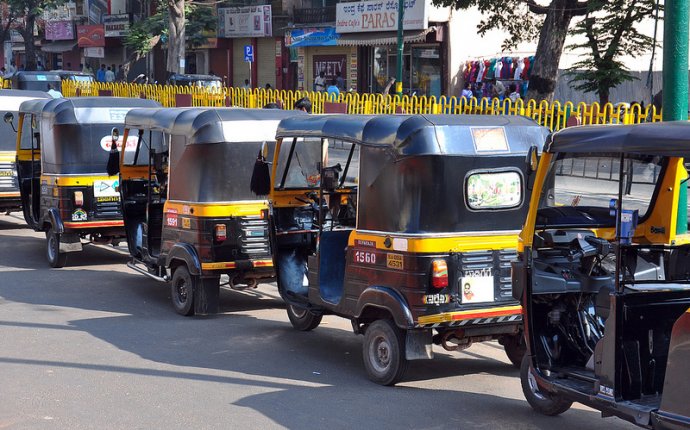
(610, 34)
(524, 19)
(147, 33)
(22, 16)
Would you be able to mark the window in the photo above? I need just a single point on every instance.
(302, 159)
(150, 139)
(494, 190)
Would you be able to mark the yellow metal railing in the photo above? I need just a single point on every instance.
(553, 115)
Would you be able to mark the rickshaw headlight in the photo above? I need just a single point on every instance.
(78, 198)
(439, 274)
(220, 232)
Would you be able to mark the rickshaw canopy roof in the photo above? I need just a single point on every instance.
(85, 110)
(670, 139)
(465, 135)
(36, 76)
(211, 125)
(10, 100)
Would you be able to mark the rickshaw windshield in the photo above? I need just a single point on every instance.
(75, 148)
(8, 138)
(218, 172)
(150, 140)
(580, 187)
(298, 163)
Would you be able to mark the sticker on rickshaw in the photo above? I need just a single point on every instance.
(186, 210)
(477, 286)
(395, 261)
(489, 139)
(5, 173)
(105, 188)
(171, 220)
(186, 223)
(79, 215)
(367, 243)
(44, 189)
(436, 299)
(313, 180)
(108, 199)
(107, 143)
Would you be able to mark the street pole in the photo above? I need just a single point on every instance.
(675, 66)
(399, 75)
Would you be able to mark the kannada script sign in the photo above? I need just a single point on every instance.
(382, 15)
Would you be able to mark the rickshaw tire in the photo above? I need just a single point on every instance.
(182, 288)
(383, 352)
(515, 349)
(303, 319)
(545, 403)
(56, 259)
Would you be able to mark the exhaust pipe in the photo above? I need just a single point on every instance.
(138, 269)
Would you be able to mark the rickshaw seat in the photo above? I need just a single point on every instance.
(332, 249)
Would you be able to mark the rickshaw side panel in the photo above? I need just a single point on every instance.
(674, 412)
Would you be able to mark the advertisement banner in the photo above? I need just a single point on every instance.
(380, 15)
(116, 25)
(320, 36)
(329, 65)
(249, 21)
(59, 30)
(90, 36)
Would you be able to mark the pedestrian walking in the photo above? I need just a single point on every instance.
(320, 82)
(340, 81)
(100, 75)
(466, 91)
(513, 95)
(332, 91)
(246, 85)
(109, 75)
(303, 104)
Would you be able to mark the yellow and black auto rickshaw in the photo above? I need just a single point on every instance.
(188, 210)
(10, 100)
(406, 225)
(604, 275)
(62, 151)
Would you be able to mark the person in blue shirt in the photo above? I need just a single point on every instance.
(333, 91)
(100, 74)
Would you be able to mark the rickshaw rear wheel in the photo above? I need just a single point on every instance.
(182, 290)
(56, 259)
(545, 403)
(303, 319)
(384, 352)
(515, 348)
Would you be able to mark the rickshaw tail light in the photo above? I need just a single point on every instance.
(439, 274)
(78, 198)
(220, 232)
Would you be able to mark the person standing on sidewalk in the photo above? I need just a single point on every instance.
(320, 82)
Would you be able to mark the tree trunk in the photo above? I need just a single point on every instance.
(542, 81)
(604, 94)
(176, 36)
(29, 47)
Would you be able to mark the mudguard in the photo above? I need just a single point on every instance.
(388, 299)
(674, 412)
(186, 253)
(53, 218)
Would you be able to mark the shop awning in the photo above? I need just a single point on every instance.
(383, 37)
(59, 46)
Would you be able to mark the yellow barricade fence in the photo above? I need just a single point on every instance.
(553, 115)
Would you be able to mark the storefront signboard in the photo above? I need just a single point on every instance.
(116, 25)
(94, 52)
(380, 15)
(90, 36)
(318, 36)
(59, 30)
(248, 21)
(329, 65)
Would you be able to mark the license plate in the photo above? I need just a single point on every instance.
(477, 289)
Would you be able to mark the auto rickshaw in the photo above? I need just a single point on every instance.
(62, 151)
(36, 81)
(194, 80)
(188, 210)
(9, 185)
(604, 275)
(404, 224)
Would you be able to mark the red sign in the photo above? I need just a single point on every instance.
(90, 36)
(329, 65)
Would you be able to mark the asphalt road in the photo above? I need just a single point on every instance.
(95, 346)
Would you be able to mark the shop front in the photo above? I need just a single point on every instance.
(371, 28)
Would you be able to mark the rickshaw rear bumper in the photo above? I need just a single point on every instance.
(508, 316)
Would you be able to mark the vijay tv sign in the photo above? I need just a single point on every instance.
(381, 15)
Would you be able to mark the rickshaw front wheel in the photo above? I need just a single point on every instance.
(515, 348)
(545, 403)
(182, 290)
(303, 319)
(384, 352)
(56, 259)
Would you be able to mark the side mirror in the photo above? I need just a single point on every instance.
(115, 135)
(532, 159)
(8, 118)
(261, 176)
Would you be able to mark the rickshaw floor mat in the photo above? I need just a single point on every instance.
(331, 266)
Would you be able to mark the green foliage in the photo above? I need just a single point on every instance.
(145, 34)
(610, 34)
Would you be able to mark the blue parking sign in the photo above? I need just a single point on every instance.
(249, 53)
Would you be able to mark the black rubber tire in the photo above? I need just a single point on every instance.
(545, 403)
(383, 351)
(182, 289)
(515, 348)
(303, 319)
(56, 259)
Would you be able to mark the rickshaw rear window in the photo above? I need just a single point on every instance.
(76, 148)
(589, 182)
(493, 190)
